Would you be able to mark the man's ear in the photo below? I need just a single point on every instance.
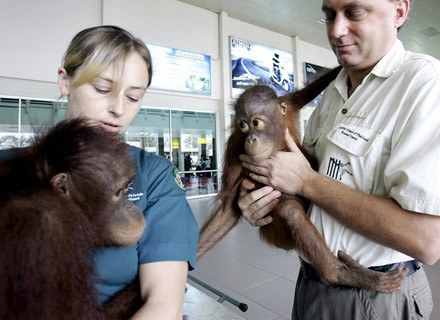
(401, 14)
(63, 82)
(60, 183)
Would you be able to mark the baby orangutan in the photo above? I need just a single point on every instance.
(261, 121)
(61, 198)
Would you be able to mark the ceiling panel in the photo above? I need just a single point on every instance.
(299, 17)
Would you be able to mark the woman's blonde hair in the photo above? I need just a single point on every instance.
(96, 49)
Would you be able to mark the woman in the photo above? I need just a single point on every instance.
(105, 74)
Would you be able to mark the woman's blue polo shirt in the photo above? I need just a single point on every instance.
(171, 233)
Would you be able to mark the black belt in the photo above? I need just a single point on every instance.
(412, 265)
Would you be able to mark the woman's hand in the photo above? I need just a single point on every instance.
(256, 204)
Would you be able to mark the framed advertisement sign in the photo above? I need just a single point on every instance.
(313, 71)
(254, 63)
(180, 70)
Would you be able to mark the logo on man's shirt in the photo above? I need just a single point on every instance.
(336, 169)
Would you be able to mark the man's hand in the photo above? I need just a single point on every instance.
(286, 171)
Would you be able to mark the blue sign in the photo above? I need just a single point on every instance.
(180, 70)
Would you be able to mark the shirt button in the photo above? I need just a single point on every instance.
(344, 111)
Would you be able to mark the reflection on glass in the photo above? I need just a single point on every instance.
(150, 131)
(187, 138)
(9, 136)
(21, 118)
(200, 183)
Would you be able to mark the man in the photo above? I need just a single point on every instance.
(376, 136)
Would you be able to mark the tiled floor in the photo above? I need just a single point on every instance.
(243, 267)
(203, 185)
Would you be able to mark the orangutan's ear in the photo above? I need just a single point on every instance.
(60, 183)
(283, 108)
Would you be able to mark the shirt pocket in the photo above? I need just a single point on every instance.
(354, 139)
(353, 151)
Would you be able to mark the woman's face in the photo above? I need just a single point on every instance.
(111, 102)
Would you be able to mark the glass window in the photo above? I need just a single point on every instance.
(150, 131)
(193, 136)
(186, 138)
(9, 130)
(21, 118)
(36, 115)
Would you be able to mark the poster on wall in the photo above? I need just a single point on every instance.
(313, 71)
(180, 70)
(253, 63)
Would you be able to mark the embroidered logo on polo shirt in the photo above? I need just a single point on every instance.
(354, 139)
(133, 196)
(178, 180)
(336, 169)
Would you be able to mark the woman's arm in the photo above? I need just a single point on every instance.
(162, 289)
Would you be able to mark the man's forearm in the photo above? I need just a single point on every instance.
(379, 219)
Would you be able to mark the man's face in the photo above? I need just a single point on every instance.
(360, 32)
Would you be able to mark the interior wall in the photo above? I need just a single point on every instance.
(34, 35)
(172, 24)
(311, 53)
